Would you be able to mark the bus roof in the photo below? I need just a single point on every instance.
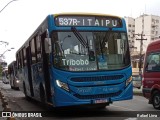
(81, 13)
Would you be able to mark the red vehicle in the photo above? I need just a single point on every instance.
(151, 74)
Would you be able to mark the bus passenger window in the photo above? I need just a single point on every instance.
(38, 45)
(25, 59)
(33, 51)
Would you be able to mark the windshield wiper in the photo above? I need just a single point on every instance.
(100, 44)
(84, 43)
(80, 38)
(107, 36)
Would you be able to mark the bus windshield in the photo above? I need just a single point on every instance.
(90, 51)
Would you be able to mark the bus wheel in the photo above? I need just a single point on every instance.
(156, 100)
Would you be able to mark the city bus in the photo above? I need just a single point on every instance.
(12, 75)
(75, 59)
(5, 76)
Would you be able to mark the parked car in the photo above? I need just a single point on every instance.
(137, 81)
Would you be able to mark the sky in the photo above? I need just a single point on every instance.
(20, 18)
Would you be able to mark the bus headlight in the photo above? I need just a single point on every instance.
(128, 81)
(17, 81)
(62, 85)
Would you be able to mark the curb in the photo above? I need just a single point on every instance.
(5, 105)
(138, 93)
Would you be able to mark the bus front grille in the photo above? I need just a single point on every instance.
(97, 78)
(98, 96)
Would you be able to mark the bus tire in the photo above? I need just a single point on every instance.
(156, 100)
(42, 94)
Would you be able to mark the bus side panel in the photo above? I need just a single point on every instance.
(22, 76)
(24, 81)
(37, 78)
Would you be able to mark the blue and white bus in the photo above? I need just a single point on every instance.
(77, 59)
(12, 75)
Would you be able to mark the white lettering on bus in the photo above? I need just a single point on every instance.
(61, 21)
(114, 22)
(96, 23)
(107, 22)
(90, 20)
(83, 23)
(74, 22)
(75, 62)
(65, 21)
(102, 22)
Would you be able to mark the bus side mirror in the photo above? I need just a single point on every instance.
(48, 45)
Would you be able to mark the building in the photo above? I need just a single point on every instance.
(130, 23)
(149, 26)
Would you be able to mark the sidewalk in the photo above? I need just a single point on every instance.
(1, 103)
(1, 108)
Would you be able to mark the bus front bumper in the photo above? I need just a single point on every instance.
(63, 98)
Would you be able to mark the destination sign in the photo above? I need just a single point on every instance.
(88, 21)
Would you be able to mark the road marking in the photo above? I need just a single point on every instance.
(131, 119)
(123, 107)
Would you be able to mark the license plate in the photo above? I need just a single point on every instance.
(101, 101)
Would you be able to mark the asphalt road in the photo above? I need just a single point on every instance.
(122, 110)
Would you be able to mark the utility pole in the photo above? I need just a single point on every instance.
(141, 45)
(141, 50)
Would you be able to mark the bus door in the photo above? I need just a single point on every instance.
(45, 64)
(28, 56)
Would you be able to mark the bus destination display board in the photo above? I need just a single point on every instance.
(88, 21)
